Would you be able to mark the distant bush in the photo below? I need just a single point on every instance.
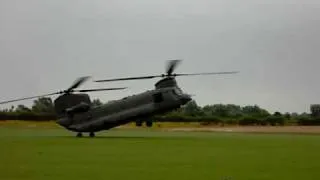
(262, 122)
(274, 120)
(249, 120)
(308, 121)
(230, 121)
(184, 118)
(211, 119)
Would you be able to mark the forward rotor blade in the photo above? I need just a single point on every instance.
(26, 98)
(130, 78)
(77, 83)
(105, 89)
(210, 73)
(172, 64)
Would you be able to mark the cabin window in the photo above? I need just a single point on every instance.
(157, 97)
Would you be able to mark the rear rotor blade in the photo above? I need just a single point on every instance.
(172, 64)
(105, 89)
(129, 78)
(209, 73)
(77, 83)
(26, 98)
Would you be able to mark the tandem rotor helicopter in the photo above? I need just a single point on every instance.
(76, 113)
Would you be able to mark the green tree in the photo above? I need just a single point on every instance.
(22, 108)
(6, 110)
(43, 105)
(11, 109)
(277, 113)
(96, 102)
(255, 111)
(222, 110)
(315, 110)
(192, 109)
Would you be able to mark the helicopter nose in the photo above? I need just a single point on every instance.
(63, 122)
(185, 98)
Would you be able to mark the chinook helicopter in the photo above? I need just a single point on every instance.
(76, 113)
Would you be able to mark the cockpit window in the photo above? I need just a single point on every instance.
(177, 91)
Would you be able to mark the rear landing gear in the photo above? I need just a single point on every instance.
(79, 134)
(92, 134)
(138, 123)
(149, 123)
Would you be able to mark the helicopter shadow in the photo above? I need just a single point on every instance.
(114, 137)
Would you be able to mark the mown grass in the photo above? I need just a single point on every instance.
(39, 153)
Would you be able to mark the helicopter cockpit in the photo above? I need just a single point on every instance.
(72, 103)
(183, 97)
(177, 91)
(173, 94)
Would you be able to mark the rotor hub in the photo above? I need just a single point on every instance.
(166, 82)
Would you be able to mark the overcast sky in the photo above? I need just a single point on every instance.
(275, 44)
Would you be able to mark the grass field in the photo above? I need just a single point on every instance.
(45, 151)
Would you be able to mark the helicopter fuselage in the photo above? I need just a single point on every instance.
(125, 110)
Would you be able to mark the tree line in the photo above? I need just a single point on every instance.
(42, 109)
(230, 114)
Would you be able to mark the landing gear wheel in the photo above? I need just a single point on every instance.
(92, 134)
(138, 123)
(149, 123)
(79, 134)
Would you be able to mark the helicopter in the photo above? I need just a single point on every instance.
(76, 113)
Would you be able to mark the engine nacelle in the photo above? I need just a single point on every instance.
(82, 107)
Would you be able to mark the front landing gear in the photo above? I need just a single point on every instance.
(92, 134)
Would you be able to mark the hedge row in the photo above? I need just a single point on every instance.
(245, 121)
(28, 116)
(308, 121)
(204, 120)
